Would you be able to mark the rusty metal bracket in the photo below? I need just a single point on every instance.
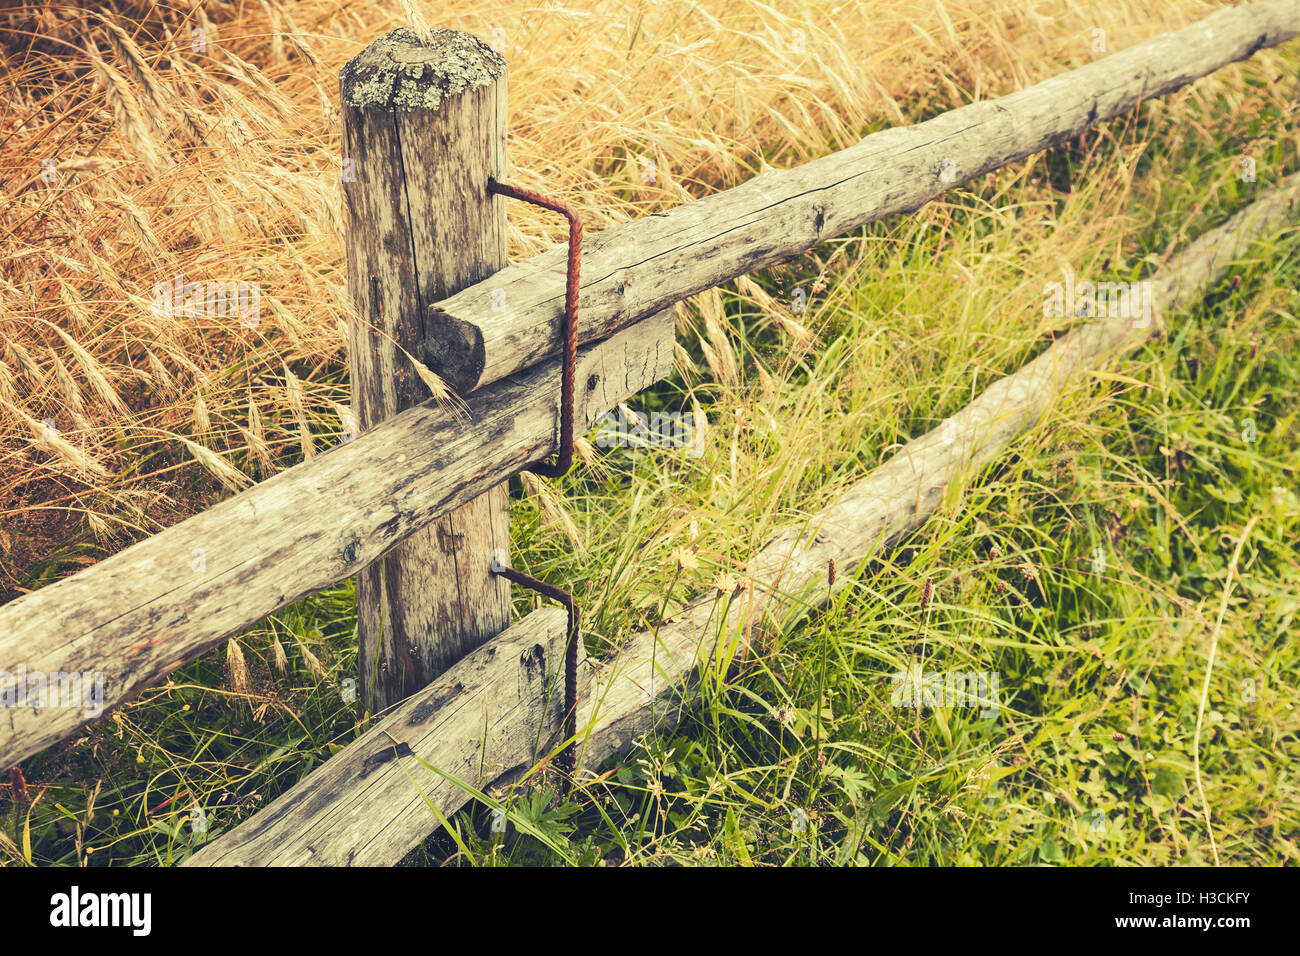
(569, 756)
(563, 462)
(564, 458)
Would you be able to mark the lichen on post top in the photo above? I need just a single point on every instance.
(400, 72)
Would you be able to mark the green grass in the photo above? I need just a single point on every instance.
(1085, 571)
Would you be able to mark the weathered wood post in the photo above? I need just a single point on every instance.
(424, 127)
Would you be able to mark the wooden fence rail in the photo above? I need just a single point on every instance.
(490, 713)
(138, 615)
(635, 269)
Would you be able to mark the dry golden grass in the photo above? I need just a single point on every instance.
(128, 155)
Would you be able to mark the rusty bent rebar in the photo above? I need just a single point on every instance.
(560, 467)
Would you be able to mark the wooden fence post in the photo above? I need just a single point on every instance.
(424, 127)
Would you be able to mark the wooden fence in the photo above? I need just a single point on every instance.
(415, 505)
